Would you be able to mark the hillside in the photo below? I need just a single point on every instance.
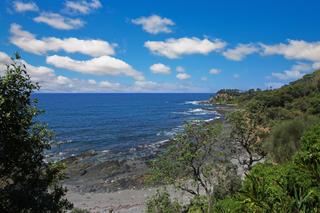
(298, 98)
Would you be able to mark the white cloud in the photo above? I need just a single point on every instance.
(174, 48)
(180, 69)
(28, 42)
(104, 65)
(45, 76)
(295, 49)
(110, 85)
(183, 76)
(4, 58)
(25, 6)
(83, 6)
(240, 52)
(50, 82)
(214, 71)
(204, 78)
(316, 66)
(296, 72)
(57, 21)
(91, 81)
(160, 69)
(151, 86)
(154, 24)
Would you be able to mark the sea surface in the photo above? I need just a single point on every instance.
(118, 125)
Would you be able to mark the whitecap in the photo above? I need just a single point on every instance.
(193, 102)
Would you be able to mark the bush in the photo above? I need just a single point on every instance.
(290, 187)
(284, 140)
(161, 203)
(77, 210)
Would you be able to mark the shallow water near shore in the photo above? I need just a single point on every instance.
(118, 125)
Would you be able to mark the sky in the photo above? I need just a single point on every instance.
(161, 45)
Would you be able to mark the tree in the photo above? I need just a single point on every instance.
(27, 182)
(247, 132)
(193, 164)
(290, 187)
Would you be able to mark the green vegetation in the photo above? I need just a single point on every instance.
(161, 202)
(275, 135)
(298, 98)
(27, 182)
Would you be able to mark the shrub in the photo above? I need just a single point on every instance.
(161, 203)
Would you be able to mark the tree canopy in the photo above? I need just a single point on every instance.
(27, 182)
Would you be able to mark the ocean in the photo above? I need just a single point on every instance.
(118, 125)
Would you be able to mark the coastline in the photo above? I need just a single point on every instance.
(120, 184)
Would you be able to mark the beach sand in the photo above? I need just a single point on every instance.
(123, 201)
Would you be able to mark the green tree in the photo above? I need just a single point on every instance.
(27, 182)
(192, 164)
(247, 134)
(289, 187)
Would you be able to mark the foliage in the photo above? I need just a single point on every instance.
(297, 98)
(161, 203)
(284, 140)
(189, 157)
(290, 187)
(273, 121)
(226, 96)
(247, 133)
(192, 164)
(77, 210)
(27, 182)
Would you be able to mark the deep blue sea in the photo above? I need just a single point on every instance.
(118, 124)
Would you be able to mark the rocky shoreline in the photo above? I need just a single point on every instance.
(90, 176)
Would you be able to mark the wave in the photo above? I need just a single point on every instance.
(197, 111)
(193, 102)
(171, 133)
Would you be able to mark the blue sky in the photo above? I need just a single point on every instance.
(160, 45)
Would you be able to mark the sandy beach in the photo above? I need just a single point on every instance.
(123, 201)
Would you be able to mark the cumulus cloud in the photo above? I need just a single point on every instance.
(82, 6)
(50, 82)
(58, 21)
(183, 76)
(295, 49)
(151, 86)
(41, 74)
(180, 69)
(240, 52)
(104, 65)
(175, 48)
(25, 6)
(154, 24)
(160, 69)
(4, 60)
(296, 71)
(214, 71)
(28, 42)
